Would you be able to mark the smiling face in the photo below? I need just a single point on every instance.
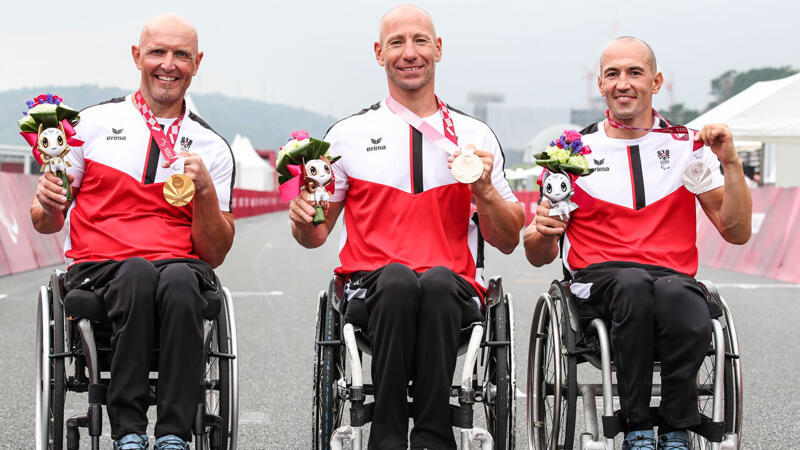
(408, 49)
(168, 58)
(319, 171)
(628, 79)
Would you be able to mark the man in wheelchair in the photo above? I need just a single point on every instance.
(150, 261)
(411, 242)
(630, 249)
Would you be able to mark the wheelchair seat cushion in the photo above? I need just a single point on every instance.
(83, 304)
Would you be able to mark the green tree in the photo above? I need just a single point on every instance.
(732, 82)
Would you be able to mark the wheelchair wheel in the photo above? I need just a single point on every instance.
(552, 383)
(500, 411)
(219, 383)
(328, 364)
(50, 374)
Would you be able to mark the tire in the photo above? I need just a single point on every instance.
(217, 372)
(570, 385)
(500, 411)
(328, 361)
(51, 379)
(552, 386)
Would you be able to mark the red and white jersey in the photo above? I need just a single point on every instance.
(634, 207)
(119, 211)
(401, 202)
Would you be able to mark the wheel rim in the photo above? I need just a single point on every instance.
(547, 369)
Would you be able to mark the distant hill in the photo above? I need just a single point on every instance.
(267, 125)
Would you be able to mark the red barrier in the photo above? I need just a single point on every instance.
(23, 248)
(773, 249)
(247, 203)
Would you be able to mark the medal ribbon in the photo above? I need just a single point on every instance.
(679, 133)
(165, 142)
(447, 142)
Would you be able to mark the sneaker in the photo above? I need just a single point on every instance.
(170, 442)
(674, 440)
(132, 442)
(639, 440)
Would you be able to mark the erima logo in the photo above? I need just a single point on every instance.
(376, 145)
(598, 165)
(116, 136)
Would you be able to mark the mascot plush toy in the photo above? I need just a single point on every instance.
(564, 161)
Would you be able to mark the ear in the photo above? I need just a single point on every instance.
(197, 63)
(658, 81)
(379, 53)
(135, 52)
(438, 49)
(600, 85)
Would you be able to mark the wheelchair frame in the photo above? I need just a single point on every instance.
(60, 340)
(557, 340)
(340, 344)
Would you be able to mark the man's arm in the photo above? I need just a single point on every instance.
(730, 206)
(301, 213)
(49, 205)
(212, 229)
(541, 237)
(500, 220)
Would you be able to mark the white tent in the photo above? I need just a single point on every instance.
(768, 111)
(252, 172)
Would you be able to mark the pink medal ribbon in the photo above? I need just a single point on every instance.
(679, 133)
(165, 142)
(447, 141)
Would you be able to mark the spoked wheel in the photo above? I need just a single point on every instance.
(50, 377)
(218, 383)
(501, 385)
(705, 390)
(328, 365)
(551, 381)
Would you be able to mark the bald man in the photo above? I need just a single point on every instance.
(148, 259)
(630, 249)
(412, 248)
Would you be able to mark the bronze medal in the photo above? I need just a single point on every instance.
(179, 190)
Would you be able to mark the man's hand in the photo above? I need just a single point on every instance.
(719, 138)
(301, 212)
(195, 169)
(546, 224)
(483, 185)
(50, 193)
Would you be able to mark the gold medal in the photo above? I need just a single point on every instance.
(178, 190)
(467, 168)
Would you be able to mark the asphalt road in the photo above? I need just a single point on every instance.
(275, 284)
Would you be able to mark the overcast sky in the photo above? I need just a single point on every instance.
(318, 54)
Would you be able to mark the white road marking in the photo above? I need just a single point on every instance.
(520, 394)
(256, 293)
(253, 418)
(2, 296)
(757, 285)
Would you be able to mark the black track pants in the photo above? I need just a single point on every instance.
(151, 304)
(413, 322)
(652, 311)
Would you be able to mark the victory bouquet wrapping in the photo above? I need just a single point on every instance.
(304, 164)
(564, 161)
(47, 126)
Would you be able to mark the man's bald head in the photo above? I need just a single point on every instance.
(171, 23)
(650, 56)
(400, 12)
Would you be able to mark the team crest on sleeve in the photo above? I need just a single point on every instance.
(185, 144)
(663, 158)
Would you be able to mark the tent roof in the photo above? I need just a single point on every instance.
(767, 111)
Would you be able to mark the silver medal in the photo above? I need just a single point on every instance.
(696, 177)
(467, 167)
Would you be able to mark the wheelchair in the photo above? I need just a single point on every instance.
(490, 380)
(558, 345)
(73, 348)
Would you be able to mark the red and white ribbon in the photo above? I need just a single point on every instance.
(447, 141)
